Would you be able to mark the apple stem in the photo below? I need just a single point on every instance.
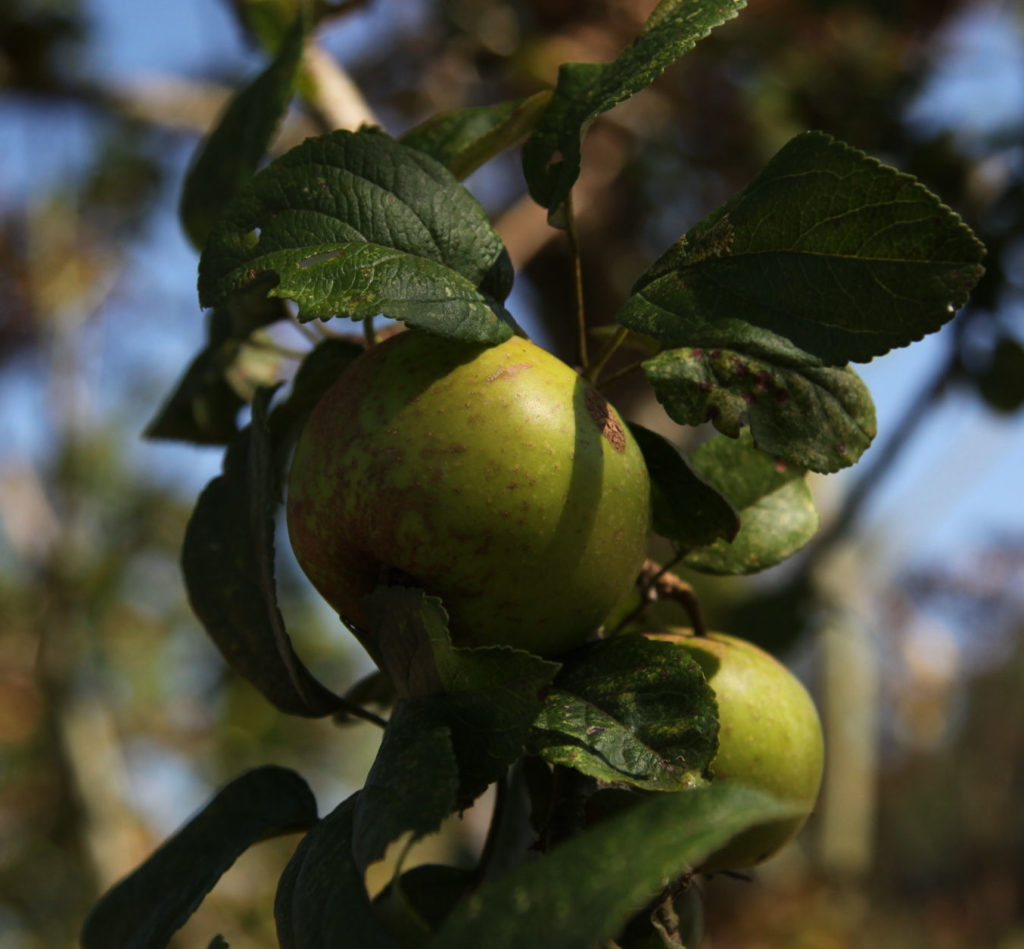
(577, 280)
(660, 583)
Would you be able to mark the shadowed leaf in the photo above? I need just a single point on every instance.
(558, 907)
(551, 157)
(464, 140)
(321, 900)
(842, 257)
(228, 562)
(145, 909)
(687, 509)
(463, 719)
(231, 153)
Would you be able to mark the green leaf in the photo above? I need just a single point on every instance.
(834, 252)
(467, 138)
(489, 695)
(583, 891)
(627, 709)
(147, 907)
(430, 890)
(817, 417)
(354, 224)
(463, 719)
(321, 898)
(230, 154)
(687, 509)
(413, 784)
(551, 157)
(777, 513)
(203, 408)
(228, 563)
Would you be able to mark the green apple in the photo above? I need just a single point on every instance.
(769, 737)
(494, 477)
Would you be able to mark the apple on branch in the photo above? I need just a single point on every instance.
(494, 477)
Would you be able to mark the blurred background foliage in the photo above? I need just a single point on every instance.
(118, 718)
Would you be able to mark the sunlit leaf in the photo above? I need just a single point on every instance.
(817, 417)
(354, 224)
(630, 710)
(777, 512)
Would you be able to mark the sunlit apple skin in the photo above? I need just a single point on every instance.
(769, 737)
(493, 477)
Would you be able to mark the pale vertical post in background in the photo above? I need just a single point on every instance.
(850, 702)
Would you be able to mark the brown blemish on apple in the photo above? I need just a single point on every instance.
(607, 424)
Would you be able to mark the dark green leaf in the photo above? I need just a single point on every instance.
(230, 154)
(464, 140)
(145, 909)
(833, 251)
(431, 890)
(413, 784)
(321, 898)
(583, 891)
(777, 513)
(463, 719)
(228, 562)
(551, 157)
(203, 408)
(686, 508)
(361, 280)
(489, 695)
(629, 710)
(354, 224)
(818, 417)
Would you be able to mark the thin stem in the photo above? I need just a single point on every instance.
(620, 374)
(357, 711)
(577, 281)
(593, 371)
(369, 333)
